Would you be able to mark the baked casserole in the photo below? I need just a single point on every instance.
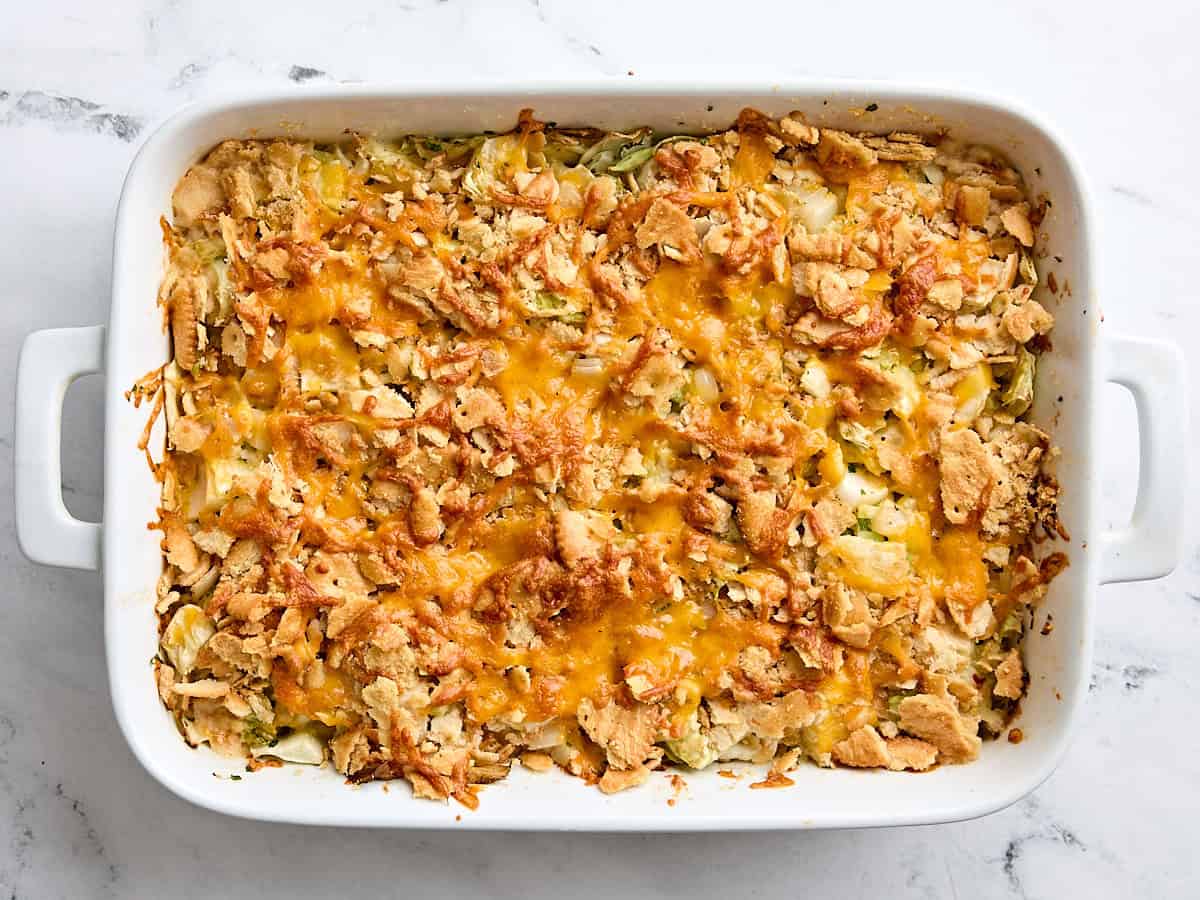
(604, 451)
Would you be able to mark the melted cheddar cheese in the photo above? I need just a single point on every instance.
(619, 448)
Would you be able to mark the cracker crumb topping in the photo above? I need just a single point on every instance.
(600, 451)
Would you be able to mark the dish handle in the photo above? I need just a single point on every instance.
(50, 361)
(1155, 374)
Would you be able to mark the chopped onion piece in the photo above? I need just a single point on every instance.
(890, 520)
(862, 489)
(933, 174)
(815, 379)
(815, 207)
(298, 747)
(707, 388)
(188, 631)
(587, 365)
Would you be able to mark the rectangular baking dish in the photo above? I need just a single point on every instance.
(1084, 357)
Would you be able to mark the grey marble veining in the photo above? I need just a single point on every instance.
(82, 84)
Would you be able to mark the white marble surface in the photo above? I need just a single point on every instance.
(81, 84)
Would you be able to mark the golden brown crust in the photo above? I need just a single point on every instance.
(966, 474)
(668, 227)
(627, 734)
(842, 150)
(866, 749)
(599, 451)
(1010, 676)
(936, 720)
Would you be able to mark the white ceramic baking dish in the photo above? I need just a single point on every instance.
(1084, 357)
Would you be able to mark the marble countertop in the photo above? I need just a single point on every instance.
(81, 84)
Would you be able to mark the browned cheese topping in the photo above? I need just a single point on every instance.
(602, 451)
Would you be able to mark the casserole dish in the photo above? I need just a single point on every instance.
(1070, 377)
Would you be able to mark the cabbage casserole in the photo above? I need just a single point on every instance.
(610, 452)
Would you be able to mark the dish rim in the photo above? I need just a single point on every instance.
(842, 92)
